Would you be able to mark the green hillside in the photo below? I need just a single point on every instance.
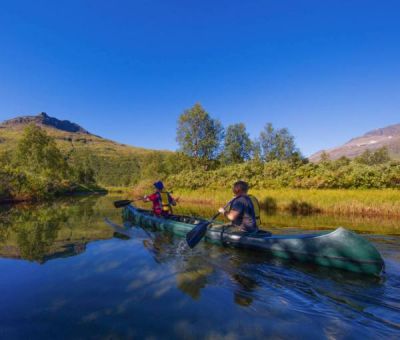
(11, 131)
(114, 164)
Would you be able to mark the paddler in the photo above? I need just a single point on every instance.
(244, 210)
(162, 200)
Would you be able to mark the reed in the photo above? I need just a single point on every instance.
(368, 202)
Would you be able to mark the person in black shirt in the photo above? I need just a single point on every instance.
(241, 211)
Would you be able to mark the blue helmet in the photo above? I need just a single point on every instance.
(159, 185)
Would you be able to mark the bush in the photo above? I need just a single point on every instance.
(281, 174)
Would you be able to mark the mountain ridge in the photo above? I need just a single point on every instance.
(44, 119)
(388, 137)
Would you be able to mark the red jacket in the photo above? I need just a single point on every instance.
(157, 203)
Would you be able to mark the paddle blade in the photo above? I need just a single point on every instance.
(123, 203)
(196, 234)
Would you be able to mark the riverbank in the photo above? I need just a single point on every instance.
(79, 190)
(357, 202)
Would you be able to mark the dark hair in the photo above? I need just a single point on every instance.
(240, 186)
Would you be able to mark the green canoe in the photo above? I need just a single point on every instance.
(340, 248)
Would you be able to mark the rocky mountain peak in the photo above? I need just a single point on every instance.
(44, 119)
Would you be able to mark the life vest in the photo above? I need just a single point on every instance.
(164, 202)
(256, 206)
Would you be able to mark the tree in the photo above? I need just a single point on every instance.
(38, 153)
(237, 144)
(277, 144)
(324, 158)
(199, 135)
(379, 156)
(256, 151)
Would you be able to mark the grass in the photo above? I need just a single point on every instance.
(371, 202)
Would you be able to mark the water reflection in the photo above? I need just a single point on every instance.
(64, 227)
(208, 264)
(143, 283)
(48, 231)
(259, 283)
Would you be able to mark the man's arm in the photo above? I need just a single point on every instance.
(235, 211)
(231, 215)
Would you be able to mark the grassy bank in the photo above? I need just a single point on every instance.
(371, 202)
(68, 191)
(118, 190)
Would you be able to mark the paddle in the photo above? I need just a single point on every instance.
(124, 203)
(197, 233)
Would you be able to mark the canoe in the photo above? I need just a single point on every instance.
(340, 248)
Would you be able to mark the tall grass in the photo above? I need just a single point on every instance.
(368, 202)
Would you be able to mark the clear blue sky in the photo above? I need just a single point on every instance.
(327, 70)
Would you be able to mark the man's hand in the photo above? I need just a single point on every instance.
(221, 211)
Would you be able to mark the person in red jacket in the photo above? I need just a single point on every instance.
(162, 200)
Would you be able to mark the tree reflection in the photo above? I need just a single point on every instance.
(48, 231)
(194, 276)
(246, 285)
(35, 232)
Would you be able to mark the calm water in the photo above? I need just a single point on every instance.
(63, 274)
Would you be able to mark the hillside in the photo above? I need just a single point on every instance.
(68, 136)
(385, 137)
(113, 164)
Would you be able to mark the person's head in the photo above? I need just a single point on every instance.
(159, 185)
(240, 188)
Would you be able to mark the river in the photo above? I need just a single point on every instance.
(65, 274)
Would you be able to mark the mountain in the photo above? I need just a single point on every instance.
(113, 164)
(385, 137)
(68, 135)
(45, 120)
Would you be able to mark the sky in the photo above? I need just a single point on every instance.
(125, 69)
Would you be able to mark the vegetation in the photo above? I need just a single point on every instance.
(342, 173)
(380, 156)
(198, 135)
(49, 230)
(353, 218)
(44, 164)
(277, 145)
(303, 202)
(37, 169)
(238, 146)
